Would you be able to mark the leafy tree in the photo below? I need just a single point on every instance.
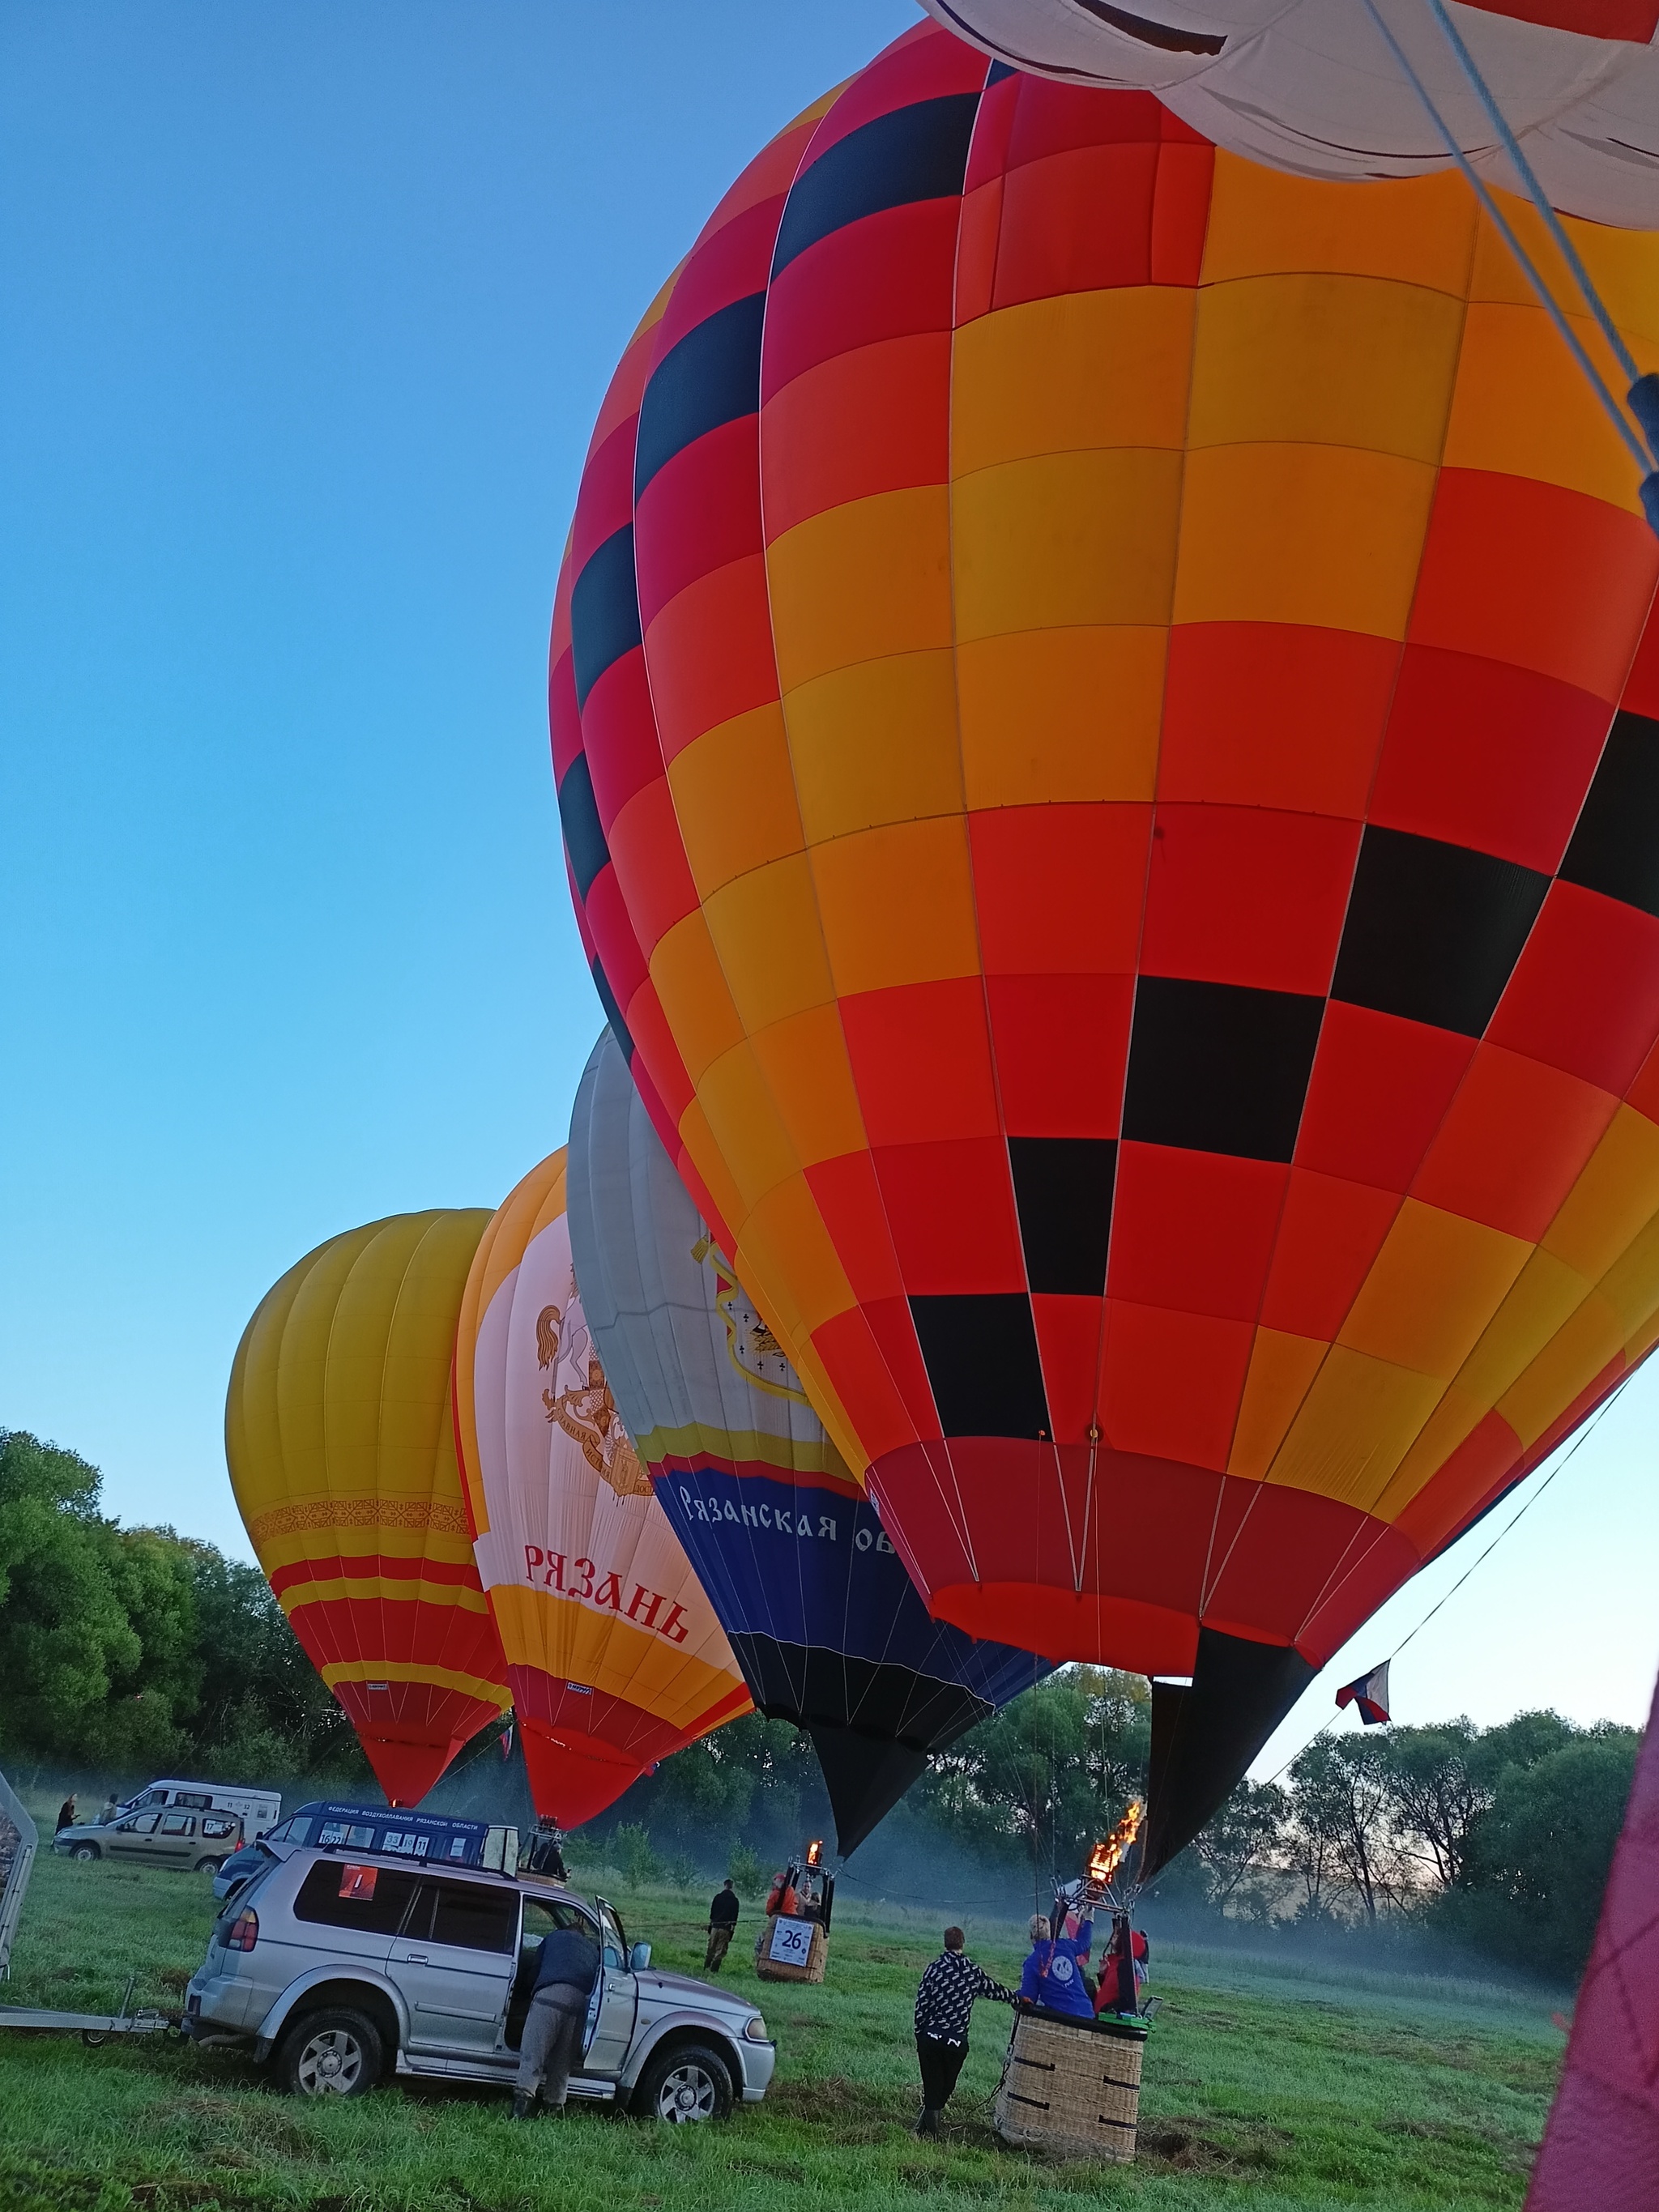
(66, 1637)
(1242, 1837)
(1047, 1776)
(1538, 1858)
(1439, 1783)
(1340, 1810)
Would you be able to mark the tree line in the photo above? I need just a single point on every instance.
(138, 1651)
(135, 1651)
(1496, 1839)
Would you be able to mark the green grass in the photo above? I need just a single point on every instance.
(1265, 2091)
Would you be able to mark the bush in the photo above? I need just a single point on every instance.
(748, 1875)
(636, 1862)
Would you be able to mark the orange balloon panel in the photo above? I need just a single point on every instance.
(614, 1655)
(340, 1438)
(1083, 699)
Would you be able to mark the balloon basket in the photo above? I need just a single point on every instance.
(1072, 2086)
(788, 1949)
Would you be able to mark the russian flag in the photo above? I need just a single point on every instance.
(1370, 1693)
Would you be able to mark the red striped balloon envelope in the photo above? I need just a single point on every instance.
(340, 1438)
(1083, 701)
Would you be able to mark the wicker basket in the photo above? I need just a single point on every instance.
(1072, 2086)
(784, 1970)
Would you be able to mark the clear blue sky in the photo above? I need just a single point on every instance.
(308, 308)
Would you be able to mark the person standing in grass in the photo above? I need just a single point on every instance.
(945, 2006)
(567, 1967)
(722, 1921)
(66, 1814)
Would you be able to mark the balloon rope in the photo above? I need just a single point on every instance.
(1546, 299)
(1584, 1437)
(1523, 169)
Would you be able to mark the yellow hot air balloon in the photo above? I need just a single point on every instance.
(614, 1654)
(339, 1433)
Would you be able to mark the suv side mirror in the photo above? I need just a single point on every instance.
(639, 1958)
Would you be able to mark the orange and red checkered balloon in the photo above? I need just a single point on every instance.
(1082, 695)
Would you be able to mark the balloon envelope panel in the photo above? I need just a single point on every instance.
(1137, 913)
(340, 1440)
(1314, 87)
(614, 1655)
(827, 1625)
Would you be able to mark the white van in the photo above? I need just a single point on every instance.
(257, 1809)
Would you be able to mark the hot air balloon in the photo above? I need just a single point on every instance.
(340, 1438)
(614, 1655)
(1322, 88)
(826, 1624)
(1084, 704)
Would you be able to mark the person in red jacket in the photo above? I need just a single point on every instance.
(1117, 1971)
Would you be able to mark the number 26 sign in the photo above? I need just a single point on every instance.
(791, 1942)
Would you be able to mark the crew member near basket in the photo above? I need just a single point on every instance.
(567, 1967)
(945, 2006)
(722, 1920)
(1053, 1975)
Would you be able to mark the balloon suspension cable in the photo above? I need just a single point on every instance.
(1643, 396)
(1446, 1597)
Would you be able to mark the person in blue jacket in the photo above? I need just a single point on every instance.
(1053, 1974)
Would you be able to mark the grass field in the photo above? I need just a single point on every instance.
(1265, 2090)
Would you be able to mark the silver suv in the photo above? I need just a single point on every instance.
(341, 1970)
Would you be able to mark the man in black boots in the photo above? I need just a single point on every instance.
(945, 2005)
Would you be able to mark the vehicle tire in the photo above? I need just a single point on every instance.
(689, 2083)
(209, 1866)
(331, 2053)
(85, 1852)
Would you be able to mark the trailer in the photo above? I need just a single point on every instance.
(19, 1841)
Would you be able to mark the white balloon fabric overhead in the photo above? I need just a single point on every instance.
(1312, 86)
(614, 1655)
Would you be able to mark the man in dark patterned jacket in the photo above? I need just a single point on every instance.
(945, 2005)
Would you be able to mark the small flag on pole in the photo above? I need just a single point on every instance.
(507, 1741)
(1370, 1693)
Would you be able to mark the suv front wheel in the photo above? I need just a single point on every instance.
(334, 2053)
(685, 2085)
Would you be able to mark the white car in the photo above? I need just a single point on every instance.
(339, 1969)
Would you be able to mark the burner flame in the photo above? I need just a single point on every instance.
(815, 1852)
(1107, 1855)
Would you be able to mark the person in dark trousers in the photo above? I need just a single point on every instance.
(65, 1815)
(567, 1967)
(722, 1923)
(945, 2006)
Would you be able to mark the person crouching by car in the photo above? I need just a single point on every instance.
(1053, 1973)
(722, 1919)
(945, 2006)
(567, 1967)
